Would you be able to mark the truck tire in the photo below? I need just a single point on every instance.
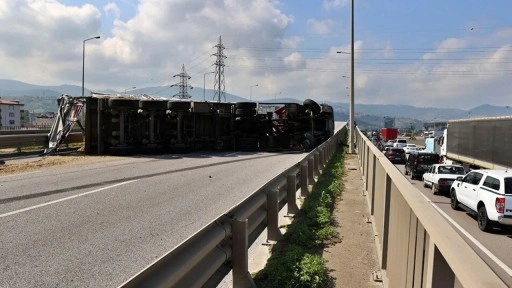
(245, 105)
(179, 106)
(153, 104)
(454, 203)
(313, 106)
(123, 103)
(245, 112)
(483, 221)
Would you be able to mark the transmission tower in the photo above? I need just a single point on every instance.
(219, 72)
(183, 84)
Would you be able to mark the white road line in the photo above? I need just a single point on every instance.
(478, 244)
(64, 199)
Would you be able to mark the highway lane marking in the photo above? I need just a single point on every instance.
(476, 242)
(64, 199)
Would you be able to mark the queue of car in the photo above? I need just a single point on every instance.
(484, 193)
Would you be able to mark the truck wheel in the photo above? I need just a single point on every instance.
(245, 112)
(483, 221)
(245, 105)
(454, 203)
(179, 106)
(313, 106)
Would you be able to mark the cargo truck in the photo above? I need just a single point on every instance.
(388, 134)
(478, 143)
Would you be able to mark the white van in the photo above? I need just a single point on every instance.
(400, 143)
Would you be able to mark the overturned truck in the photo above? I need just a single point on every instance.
(125, 125)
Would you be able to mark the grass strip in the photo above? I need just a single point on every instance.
(296, 260)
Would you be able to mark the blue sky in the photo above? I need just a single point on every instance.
(454, 54)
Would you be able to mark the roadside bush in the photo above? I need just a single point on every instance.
(296, 260)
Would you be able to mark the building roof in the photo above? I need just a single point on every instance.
(10, 102)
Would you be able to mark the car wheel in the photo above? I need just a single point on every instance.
(433, 187)
(454, 203)
(483, 221)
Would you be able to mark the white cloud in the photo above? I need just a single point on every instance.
(294, 61)
(320, 27)
(330, 4)
(42, 44)
(112, 9)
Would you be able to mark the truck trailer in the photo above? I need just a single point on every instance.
(125, 125)
(478, 142)
(388, 133)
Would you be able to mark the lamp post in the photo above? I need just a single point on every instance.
(351, 135)
(83, 60)
(204, 84)
(250, 91)
(129, 88)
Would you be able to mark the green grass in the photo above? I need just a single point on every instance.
(296, 260)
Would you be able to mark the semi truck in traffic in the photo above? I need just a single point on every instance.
(478, 143)
(388, 134)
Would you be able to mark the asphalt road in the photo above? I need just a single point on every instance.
(495, 247)
(96, 224)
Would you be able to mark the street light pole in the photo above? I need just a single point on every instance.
(250, 91)
(351, 134)
(83, 61)
(204, 84)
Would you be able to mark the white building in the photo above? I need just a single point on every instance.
(10, 115)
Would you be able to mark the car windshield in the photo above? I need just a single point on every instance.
(451, 170)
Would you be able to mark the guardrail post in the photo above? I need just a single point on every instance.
(320, 159)
(304, 190)
(316, 162)
(323, 157)
(273, 232)
(240, 255)
(311, 172)
(290, 194)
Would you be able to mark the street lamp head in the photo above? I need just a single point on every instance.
(97, 37)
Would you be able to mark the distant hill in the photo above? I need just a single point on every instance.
(40, 99)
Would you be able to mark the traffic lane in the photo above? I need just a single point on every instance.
(494, 248)
(102, 239)
(48, 184)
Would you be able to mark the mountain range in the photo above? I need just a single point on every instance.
(40, 99)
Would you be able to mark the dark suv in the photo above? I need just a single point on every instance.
(395, 155)
(420, 162)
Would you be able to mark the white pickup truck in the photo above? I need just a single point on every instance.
(486, 193)
(441, 176)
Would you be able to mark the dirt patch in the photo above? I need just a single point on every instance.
(35, 163)
(353, 261)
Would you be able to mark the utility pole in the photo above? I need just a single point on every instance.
(352, 126)
(219, 71)
(183, 84)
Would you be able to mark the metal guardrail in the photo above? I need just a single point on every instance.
(417, 245)
(205, 258)
(29, 140)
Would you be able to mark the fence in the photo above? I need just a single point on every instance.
(205, 258)
(20, 141)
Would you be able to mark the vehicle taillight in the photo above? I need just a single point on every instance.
(500, 205)
(443, 182)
